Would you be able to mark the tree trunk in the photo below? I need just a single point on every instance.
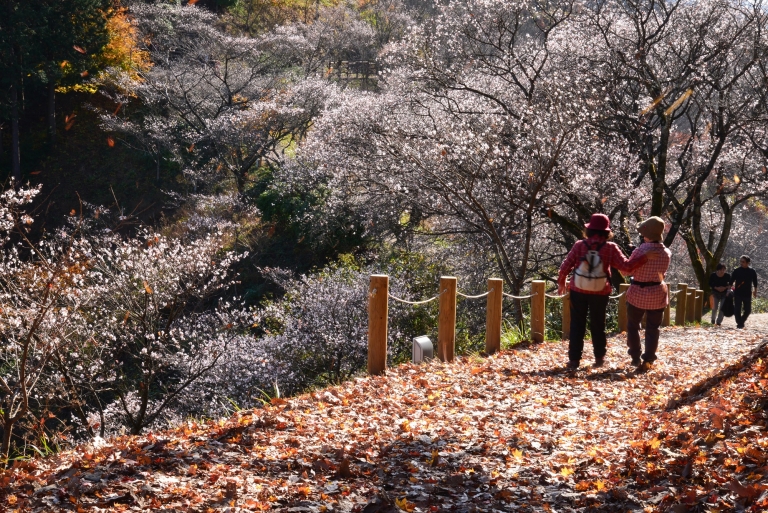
(660, 175)
(15, 155)
(5, 445)
(51, 111)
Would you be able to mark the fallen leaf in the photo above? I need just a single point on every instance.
(748, 492)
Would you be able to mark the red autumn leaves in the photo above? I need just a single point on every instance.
(501, 431)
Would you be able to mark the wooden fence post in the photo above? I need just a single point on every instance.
(680, 308)
(623, 288)
(699, 306)
(691, 306)
(665, 320)
(378, 310)
(493, 315)
(446, 326)
(538, 301)
(567, 314)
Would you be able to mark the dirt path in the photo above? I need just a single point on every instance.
(513, 432)
(755, 322)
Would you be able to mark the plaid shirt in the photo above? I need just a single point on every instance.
(654, 297)
(611, 256)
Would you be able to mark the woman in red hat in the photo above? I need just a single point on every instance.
(591, 261)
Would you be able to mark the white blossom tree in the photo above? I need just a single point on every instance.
(681, 83)
(472, 127)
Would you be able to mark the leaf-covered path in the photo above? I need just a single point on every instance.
(513, 432)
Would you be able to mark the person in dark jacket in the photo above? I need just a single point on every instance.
(719, 283)
(742, 280)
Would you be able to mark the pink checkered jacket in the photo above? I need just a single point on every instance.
(652, 297)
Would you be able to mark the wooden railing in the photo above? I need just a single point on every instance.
(688, 308)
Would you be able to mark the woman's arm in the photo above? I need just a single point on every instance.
(628, 266)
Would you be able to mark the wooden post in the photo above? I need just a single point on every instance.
(623, 287)
(567, 314)
(699, 306)
(538, 301)
(680, 309)
(665, 320)
(378, 310)
(446, 326)
(691, 306)
(493, 315)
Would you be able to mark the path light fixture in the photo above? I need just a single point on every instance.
(422, 349)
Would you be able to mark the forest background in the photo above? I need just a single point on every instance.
(197, 191)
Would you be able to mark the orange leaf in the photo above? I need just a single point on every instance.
(747, 492)
(147, 288)
(404, 504)
(84, 74)
(192, 2)
(35, 172)
(63, 64)
(119, 105)
(110, 142)
(69, 124)
(78, 49)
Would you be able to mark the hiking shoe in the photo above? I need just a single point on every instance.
(644, 367)
(599, 362)
(636, 362)
(572, 365)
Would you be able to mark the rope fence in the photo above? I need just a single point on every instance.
(688, 308)
(474, 297)
(510, 296)
(414, 302)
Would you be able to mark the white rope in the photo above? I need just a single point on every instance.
(617, 296)
(519, 297)
(415, 302)
(551, 296)
(474, 297)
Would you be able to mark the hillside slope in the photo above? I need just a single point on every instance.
(513, 432)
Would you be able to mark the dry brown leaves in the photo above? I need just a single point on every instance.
(513, 432)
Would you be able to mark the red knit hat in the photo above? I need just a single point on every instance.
(598, 222)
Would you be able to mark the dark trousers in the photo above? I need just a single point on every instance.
(738, 301)
(581, 305)
(653, 320)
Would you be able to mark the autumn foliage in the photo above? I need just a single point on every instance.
(510, 432)
(123, 49)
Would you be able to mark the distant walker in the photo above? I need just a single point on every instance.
(743, 278)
